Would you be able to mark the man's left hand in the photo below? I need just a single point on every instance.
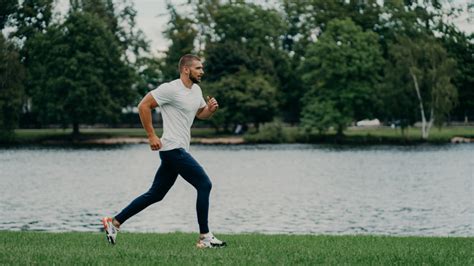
(212, 104)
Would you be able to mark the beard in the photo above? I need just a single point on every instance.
(194, 79)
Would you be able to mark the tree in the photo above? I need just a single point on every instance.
(425, 63)
(243, 54)
(322, 115)
(244, 36)
(77, 73)
(460, 47)
(342, 70)
(11, 88)
(243, 98)
(120, 19)
(31, 18)
(182, 34)
(7, 7)
(150, 73)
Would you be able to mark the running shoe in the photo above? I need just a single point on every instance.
(210, 241)
(110, 230)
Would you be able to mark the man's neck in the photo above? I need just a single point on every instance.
(187, 82)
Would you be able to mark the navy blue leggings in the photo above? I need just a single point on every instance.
(174, 162)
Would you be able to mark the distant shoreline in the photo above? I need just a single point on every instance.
(135, 140)
(207, 136)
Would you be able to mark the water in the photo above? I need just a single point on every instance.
(417, 190)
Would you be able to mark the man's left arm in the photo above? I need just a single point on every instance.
(207, 111)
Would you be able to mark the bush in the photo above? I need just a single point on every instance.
(268, 133)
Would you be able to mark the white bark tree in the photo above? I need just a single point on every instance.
(430, 70)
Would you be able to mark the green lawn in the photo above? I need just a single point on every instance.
(360, 135)
(37, 135)
(27, 248)
(381, 135)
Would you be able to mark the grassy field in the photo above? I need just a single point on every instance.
(358, 135)
(38, 135)
(27, 248)
(381, 135)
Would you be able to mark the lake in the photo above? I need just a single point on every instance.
(304, 189)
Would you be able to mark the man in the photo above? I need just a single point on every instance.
(180, 101)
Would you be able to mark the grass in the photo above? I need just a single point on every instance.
(39, 135)
(382, 135)
(27, 248)
(379, 135)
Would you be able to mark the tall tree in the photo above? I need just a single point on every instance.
(78, 73)
(342, 70)
(460, 47)
(243, 98)
(425, 63)
(33, 17)
(182, 34)
(244, 38)
(11, 88)
(120, 19)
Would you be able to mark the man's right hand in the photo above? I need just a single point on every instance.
(155, 143)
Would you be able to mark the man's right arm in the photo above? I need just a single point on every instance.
(147, 104)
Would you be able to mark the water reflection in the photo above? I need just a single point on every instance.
(401, 190)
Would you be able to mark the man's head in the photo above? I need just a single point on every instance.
(190, 66)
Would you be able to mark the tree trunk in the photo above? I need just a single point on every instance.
(424, 133)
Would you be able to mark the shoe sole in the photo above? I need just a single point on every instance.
(202, 246)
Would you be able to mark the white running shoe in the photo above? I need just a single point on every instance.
(110, 229)
(210, 241)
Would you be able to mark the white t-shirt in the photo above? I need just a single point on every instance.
(178, 106)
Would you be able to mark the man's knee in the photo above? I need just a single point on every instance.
(207, 186)
(154, 196)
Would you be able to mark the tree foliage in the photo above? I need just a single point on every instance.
(78, 74)
(428, 70)
(292, 60)
(343, 69)
(182, 35)
(243, 98)
(7, 7)
(11, 88)
(461, 48)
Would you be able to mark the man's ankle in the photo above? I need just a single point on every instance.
(202, 235)
(115, 223)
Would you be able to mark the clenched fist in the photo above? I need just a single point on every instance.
(212, 104)
(155, 142)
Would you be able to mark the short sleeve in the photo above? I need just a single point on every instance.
(203, 103)
(163, 94)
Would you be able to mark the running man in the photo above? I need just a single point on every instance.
(180, 101)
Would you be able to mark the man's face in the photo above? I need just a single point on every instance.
(196, 71)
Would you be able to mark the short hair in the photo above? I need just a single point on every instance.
(186, 60)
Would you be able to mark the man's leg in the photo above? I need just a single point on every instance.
(164, 180)
(193, 173)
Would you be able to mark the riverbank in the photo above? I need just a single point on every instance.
(27, 248)
(352, 136)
